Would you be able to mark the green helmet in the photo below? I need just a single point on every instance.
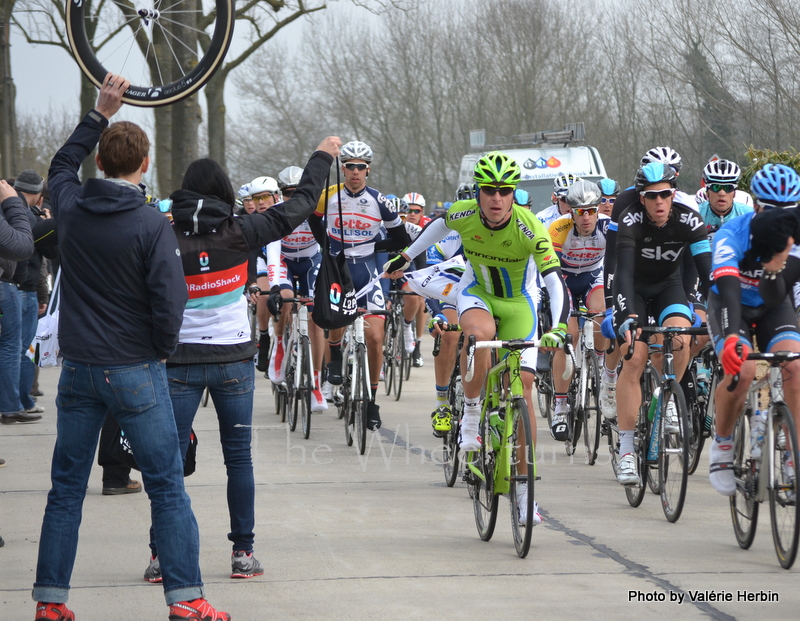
(496, 168)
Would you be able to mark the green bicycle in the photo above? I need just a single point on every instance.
(498, 468)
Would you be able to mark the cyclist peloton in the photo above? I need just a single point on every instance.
(651, 239)
(579, 239)
(735, 304)
(295, 257)
(364, 209)
(507, 247)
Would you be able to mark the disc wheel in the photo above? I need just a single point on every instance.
(744, 507)
(591, 410)
(523, 447)
(158, 45)
(673, 452)
(783, 505)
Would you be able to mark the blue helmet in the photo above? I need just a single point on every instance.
(776, 183)
(609, 187)
(655, 172)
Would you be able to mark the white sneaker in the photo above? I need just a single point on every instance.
(327, 391)
(721, 470)
(628, 470)
(672, 425)
(522, 506)
(560, 429)
(318, 402)
(468, 438)
(276, 366)
(608, 399)
(408, 335)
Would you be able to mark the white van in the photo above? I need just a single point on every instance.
(541, 156)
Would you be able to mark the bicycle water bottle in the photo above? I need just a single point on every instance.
(654, 414)
(495, 428)
(758, 424)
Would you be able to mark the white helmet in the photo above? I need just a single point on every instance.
(701, 196)
(412, 198)
(259, 185)
(722, 171)
(355, 150)
(562, 182)
(289, 177)
(663, 155)
(244, 191)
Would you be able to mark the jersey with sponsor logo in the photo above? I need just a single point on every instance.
(548, 215)
(506, 260)
(731, 243)
(579, 253)
(446, 249)
(363, 213)
(714, 221)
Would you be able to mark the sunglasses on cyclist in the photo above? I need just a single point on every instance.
(584, 211)
(263, 197)
(415, 211)
(354, 166)
(654, 194)
(491, 190)
(722, 187)
(609, 201)
(767, 205)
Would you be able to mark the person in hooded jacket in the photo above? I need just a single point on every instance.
(214, 347)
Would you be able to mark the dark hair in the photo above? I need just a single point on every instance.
(122, 148)
(206, 177)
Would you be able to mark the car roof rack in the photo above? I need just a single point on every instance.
(573, 133)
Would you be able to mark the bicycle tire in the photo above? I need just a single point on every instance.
(455, 397)
(653, 482)
(484, 500)
(783, 502)
(612, 434)
(400, 361)
(347, 399)
(697, 414)
(744, 507)
(635, 495)
(408, 355)
(591, 410)
(522, 533)
(150, 21)
(361, 397)
(292, 404)
(204, 400)
(306, 384)
(545, 394)
(389, 337)
(673, 453)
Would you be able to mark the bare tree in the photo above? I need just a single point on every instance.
(8, 122)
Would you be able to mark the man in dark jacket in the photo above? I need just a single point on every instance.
(122, 300)
(16, 244)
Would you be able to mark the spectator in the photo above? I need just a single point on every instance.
(122, 300)
(16, 244)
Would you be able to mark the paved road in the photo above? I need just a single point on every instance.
(380, 536)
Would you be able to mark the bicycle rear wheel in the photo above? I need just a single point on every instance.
(389, 338)
(783, 505)
(292, 404)
(484, 500)
(697, 405)
(455, 396)
(673, 453)
(361, 397)
(522, 450)
(744, 508)
(157, 45)
(306, 385)
(400, 362)
(635, 494)
(591, 409)
(347, 399)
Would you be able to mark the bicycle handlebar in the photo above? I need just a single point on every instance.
(437, 340)
(514, 344)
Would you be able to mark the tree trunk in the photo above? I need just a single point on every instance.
(215, 100)
(163, 149)
(88, 100)
(8, 95)
(186, 118)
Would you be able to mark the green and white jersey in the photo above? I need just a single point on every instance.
(505, 260)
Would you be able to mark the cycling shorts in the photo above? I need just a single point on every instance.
(516, 317)
(582, 285)
(660, 301)
(767, 325)
(363, 270)
(304, 270)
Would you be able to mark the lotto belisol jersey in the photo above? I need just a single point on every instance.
(579, 253)
(360, 224)
(300, 243)
(507, 260)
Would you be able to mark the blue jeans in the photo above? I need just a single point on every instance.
(29, 321)
(231, 387)
(10, 344)
(137, 396)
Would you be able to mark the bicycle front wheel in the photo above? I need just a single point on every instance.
(744, 508)
(484, 500)
(783, 506)
(455, 396)
(591, 409)
(292, 401)
(400, 362)
(306, 385)
(361, 397)
(673, 451)
(523, 450)
(168, 50)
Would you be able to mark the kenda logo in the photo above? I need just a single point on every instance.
(215, 284)
(661, 255)
(336, 293)
(633, 218)
(460, 214)
(692, 220)
(525, 230)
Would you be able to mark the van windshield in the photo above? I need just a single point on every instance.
(541, 191)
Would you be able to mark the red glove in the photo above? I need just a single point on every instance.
(731, 359)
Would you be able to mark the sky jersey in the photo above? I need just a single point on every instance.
(579, 254)
(363, 214)
(507, 260)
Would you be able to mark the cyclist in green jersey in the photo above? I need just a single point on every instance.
(506, 247)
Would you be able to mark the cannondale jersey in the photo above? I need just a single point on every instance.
(360, 224)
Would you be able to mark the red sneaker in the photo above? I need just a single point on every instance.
(53, 612)
(197, 610)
